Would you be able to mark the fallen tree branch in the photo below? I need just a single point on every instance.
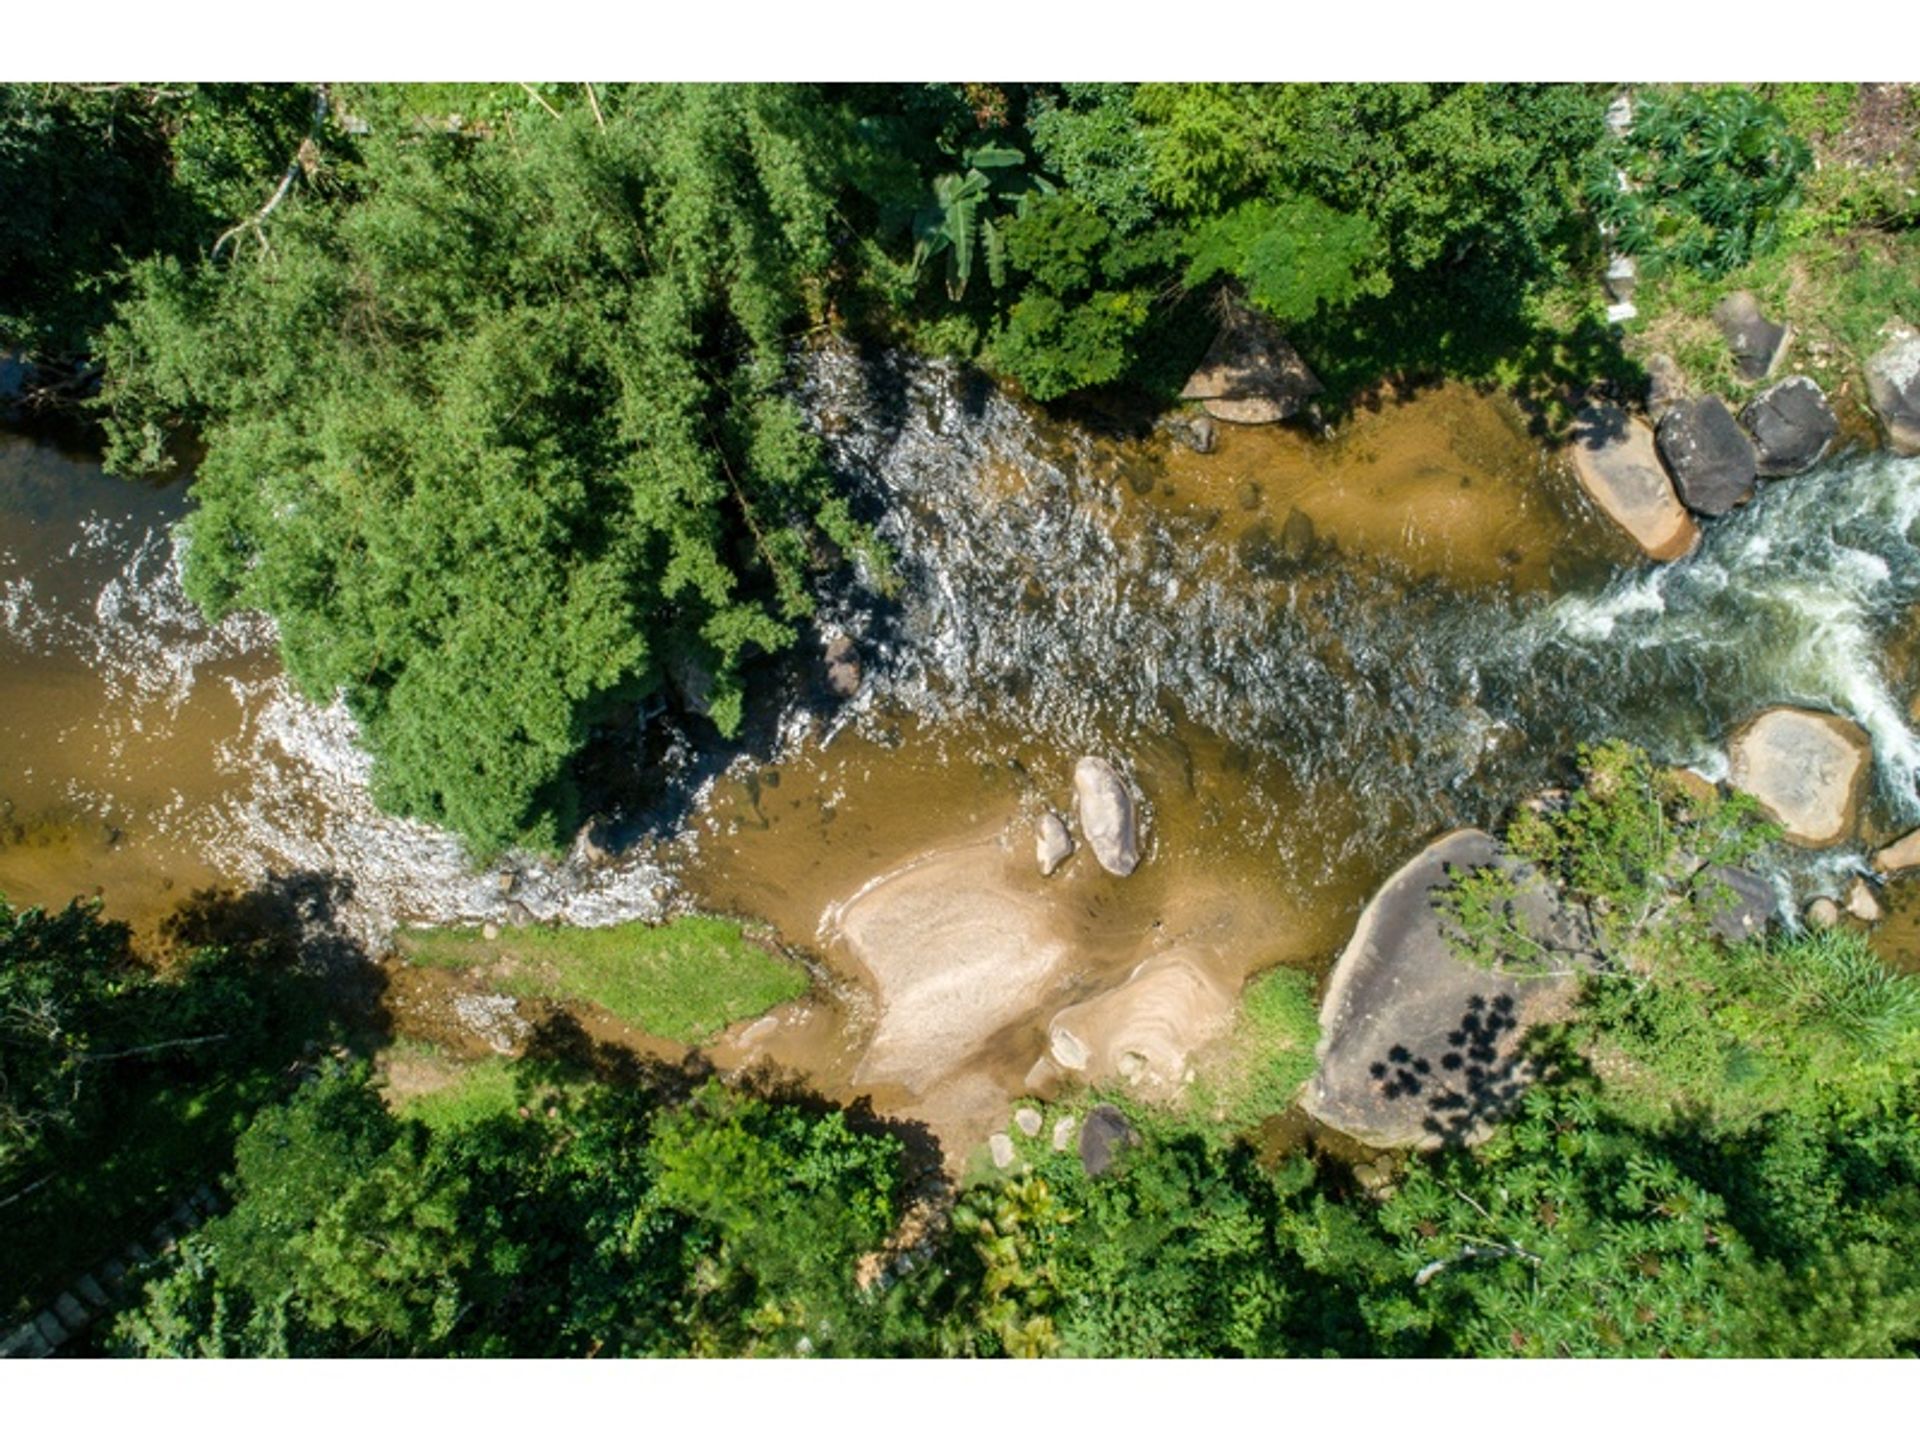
(22, 1194)
(306, 158)
(152, 1049)
(539, 99)
(593, 102)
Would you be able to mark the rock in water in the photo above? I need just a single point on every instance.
(1756, 342)
(1617, 464)
(1903, 854)
(1862, 903)
(1102, 1139)
(1791, 424)
(1051, 842)
(843, 666)
(1105, 807)
(1251, 375)
(1807, 769)
(1822, 914)
(1893, 384)
(1708, 454)
(1418, 1046)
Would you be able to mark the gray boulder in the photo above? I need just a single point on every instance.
(1893, 384)
(1738, 903)
(1756, 342)
(1792, 425)
(1105, 807)
(1418, 1046)
(1617, 464)
(1822, 914)
(1250, 375)
(1103, 1137)
(1709, 456)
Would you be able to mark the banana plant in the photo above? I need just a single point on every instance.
(962, 210)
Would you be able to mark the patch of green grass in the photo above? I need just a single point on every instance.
(686, 980)
(460, 1093)
(1260, 1068)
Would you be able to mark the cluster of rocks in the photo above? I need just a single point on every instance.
(1421, 1048)
(1103, 805)
(1695, 460)
(1104, 1136)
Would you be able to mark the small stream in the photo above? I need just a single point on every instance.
(1309, 654)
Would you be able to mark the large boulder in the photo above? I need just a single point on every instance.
(1142, 1031)
(1250, 375)
(1708, 454)
(1617, 464)
(1893, 384)
(1738, 903)
(1105, 808)
(1756, 342)
(842, 661)
(1903, 854)
(1791, 424)
(958, 949)
(1418, 1046)
(1104, 1136)
(1808, 770)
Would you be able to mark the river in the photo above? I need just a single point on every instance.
(1308, 654)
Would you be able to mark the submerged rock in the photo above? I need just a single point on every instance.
(1617, 464)
(1105, 807)
(1103, 1139)
(1756, 342)
(1893, 384)
(1807, 769)
(1792, 425)
(1052, 845)
(1709, 456)
(842, 659)
(1418, 1046)
(1275, 556)
(1251, 375)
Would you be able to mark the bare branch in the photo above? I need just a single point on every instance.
(539, 99)
(593, 101)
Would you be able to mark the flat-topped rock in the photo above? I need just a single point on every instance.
(1104, 1137)
(1709, 456)
(1792, 425)
(1615, 459)
(1418, 1046)
(1893, 384)
(1250, 375)
(1738, 903)
(957, 951)
(1862, 903)
(1105, 808)
(1808, 770)
(1756, 342)
(1142, 1031)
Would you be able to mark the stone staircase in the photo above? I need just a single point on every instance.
(109, 1284)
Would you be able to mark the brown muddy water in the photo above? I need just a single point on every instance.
(1307, 655)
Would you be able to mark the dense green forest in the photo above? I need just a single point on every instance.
(486, 394)
(1721, 1158)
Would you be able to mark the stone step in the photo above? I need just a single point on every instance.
(93, 1292)
(207, 1200)
(138, 1254)
(185, 1217)
(72, 1313)
(114, 1274)
(50, 1328)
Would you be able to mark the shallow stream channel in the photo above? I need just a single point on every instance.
(1307, 655)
